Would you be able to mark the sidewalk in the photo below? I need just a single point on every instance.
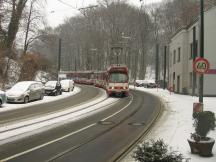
(175, 124)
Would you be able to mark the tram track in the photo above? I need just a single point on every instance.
(119, 155)
(36, 110)
(91, 133)
(74, 112)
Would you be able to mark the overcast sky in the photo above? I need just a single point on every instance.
(58, 10)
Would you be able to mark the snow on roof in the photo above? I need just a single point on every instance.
(25, 83)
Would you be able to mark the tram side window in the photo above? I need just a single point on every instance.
(118, 78)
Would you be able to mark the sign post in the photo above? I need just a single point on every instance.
(200, 65)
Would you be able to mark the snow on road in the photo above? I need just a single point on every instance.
(175, 124)
(12, 132)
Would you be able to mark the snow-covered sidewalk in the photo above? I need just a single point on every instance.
(176, 124)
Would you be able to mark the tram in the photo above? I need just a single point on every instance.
(115, 80)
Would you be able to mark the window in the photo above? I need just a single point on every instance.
(118, 78)
(196, 51)
(179, 54)
(191, 51)
(170, 60)
(173, 76)
(174, 57)
(191, 79)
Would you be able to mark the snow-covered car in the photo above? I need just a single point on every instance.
(53, 88)
(25, 91)
(67, 85)
(2, 97)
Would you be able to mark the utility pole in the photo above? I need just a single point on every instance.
(165, 59)
(194, 57)
(201, 79)
(59, 58)
(157, 63)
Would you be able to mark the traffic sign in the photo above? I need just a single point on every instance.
(200, 65)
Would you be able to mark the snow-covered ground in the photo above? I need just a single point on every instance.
(12, 106)
(13, 131)
(175, 124)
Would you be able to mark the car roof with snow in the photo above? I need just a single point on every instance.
(26, 83)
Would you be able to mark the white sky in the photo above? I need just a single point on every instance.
(57, 11)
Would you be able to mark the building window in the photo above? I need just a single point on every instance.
(170, 60)
(191, 79)
(174, 56)
(191, 51)
(196, 51)
(179, 54)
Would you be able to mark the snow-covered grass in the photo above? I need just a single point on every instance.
(176, 123)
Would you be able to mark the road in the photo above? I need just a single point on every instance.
(100, 137)
(47, 108)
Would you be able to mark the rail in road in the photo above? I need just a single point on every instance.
(29, 111)
(101, 136)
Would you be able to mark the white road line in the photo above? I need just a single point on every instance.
(48, 143)
(119, 110)
(63, 137)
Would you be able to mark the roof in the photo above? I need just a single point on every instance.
(191, 24)
(117, 68)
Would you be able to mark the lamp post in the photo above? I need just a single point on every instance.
(59, 57)
(201, 79)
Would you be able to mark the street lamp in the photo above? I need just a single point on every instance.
(201, 48)
(59, 57)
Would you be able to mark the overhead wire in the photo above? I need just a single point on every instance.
(67, 4)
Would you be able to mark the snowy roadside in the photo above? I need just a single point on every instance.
(13, 106)
(14, 131)
(175, 124)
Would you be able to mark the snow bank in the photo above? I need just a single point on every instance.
(175, 124)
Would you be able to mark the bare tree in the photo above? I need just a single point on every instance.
(33, 21)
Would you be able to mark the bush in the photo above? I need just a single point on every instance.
(204, 122)
(156, 151)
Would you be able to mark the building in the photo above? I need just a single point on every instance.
(184, 45)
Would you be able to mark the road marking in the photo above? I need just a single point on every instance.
(119, 110)
(63, 137)
(48, 143)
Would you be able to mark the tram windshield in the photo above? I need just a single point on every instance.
(118, 78)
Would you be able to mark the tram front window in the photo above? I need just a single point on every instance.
(118, 78)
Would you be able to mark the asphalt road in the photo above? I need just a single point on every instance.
(102, 137)
(87, 93)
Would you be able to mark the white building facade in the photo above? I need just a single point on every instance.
(183, 45)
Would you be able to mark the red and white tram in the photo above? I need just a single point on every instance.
(114, 80)
(117, 80)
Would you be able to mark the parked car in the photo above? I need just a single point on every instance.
(25, 91)
(67, 85)
(2, 97)
(53, 88)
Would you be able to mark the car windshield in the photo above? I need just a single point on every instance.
(51, 84)
(65, 82)
(118, 77)
(22, 86)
